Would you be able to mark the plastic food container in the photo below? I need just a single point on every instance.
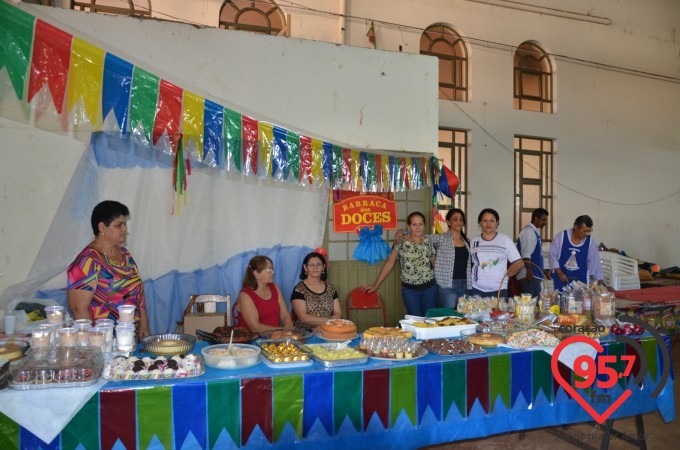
(242, 356)
(168, 344)
(55, 314)
(336, 355)
(126, 313)
(68, 336)
(284, 351)
(57, 367)
(434, 332)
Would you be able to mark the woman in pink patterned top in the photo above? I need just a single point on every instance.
(104, 276)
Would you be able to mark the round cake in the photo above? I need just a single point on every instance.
(486, 339)
(338, 329)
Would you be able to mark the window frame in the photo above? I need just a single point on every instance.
(456, 159)
(257, 6)
(544, 182)
(458, 84)
(531, 60)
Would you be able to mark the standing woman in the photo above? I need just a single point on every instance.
(493, 254)
(260, 302)
(452, 263)
(574, 255)
(416, 256)
(104, 276)
(314, 299)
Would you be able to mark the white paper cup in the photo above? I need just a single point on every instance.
(10, 324)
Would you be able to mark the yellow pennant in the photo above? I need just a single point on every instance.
(266, 132)
(192, 121)
(86, 73)
(355, 166)
(317, 160)
(386, 182)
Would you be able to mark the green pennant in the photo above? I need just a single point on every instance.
(454, 387)
(233, 137)
(347, 396)
(651, 348)
(82, 430)
(288, 404)
(541, 374)
(293, 156)
(9, 432)
(403, 398)
(154, 415)
(16, 40)
(371, 172)
(499, 379)
(143, 99)
(224, 410)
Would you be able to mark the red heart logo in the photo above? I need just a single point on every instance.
(566, 385)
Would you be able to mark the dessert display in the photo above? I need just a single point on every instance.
(134, 368)
(336, 355)
(239, 356)
(284, 352)
(391, 348)
(445, 322)
(450, 347)
(483, 339)
(338, 329)
(476, 304)
(57, 367)
(383, 332)
(532, 338)
(13, 349)
(168, 344)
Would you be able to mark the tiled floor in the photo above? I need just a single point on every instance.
(658, 434)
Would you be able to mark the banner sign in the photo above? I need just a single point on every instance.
(353, 213)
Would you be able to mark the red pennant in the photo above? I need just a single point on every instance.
(168, 113)
(256, 407)
(249, 139)
(478, 383)
(51, 58)
(306, 158)
(376, 395)
(117, 411)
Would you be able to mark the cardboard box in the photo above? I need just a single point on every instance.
(204, 321)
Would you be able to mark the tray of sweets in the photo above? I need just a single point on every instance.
(452, 347)
(147, 368)
(284, 351)
(392, 349)
(336, 355)
(504, 327)
(51, 367)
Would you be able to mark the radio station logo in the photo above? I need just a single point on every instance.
(599, 374)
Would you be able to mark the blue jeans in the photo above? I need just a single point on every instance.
(448, 297)
(504, 293)
(417, 302)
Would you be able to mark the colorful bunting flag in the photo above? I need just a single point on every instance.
(192, 126)
(168, 114)
(143, 99)
(16, 40)
(116, 90)
(51, 56)
(86, 77)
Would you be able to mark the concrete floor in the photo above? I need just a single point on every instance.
(658, 434)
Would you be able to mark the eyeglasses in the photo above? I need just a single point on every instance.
(315, 265)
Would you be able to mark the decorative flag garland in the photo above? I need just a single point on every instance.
(109, 94)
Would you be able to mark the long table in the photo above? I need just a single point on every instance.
(380, 404)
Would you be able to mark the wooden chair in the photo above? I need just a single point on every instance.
(358, 300)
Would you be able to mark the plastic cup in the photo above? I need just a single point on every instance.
(126, 313)
(97, 336)
(68, 337)
(55, 314)
(209, 307)
(83, 335)
(125, 337)
(10, 323)
(82, 323)
(40, 338)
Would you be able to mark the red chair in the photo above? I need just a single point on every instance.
(356, 299)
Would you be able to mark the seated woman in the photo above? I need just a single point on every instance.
(314, 299)
(260, 302)
(104, 276)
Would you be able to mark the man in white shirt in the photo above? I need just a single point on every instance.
(529, 246)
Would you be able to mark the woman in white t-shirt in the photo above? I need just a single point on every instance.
(493, 254)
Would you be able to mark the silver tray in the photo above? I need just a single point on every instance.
(273, 358)
(336, 362)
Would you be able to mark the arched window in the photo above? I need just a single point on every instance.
(533, 83)
(259, 16)
(447, 45)
(137, 8)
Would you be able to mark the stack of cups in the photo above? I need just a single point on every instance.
(125, 337)
(107, 325)
(82, 326)
(55, 314)
(126, 313)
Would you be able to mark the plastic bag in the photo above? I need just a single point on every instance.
(372, 247)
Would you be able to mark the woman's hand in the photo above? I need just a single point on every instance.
(369, 289)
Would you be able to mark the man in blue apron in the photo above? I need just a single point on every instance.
(574, 255)
(529, 246)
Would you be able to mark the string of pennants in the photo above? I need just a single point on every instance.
(103, 92)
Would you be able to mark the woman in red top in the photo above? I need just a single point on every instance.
(260, 302)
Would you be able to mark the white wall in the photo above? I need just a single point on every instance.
(341, 94)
